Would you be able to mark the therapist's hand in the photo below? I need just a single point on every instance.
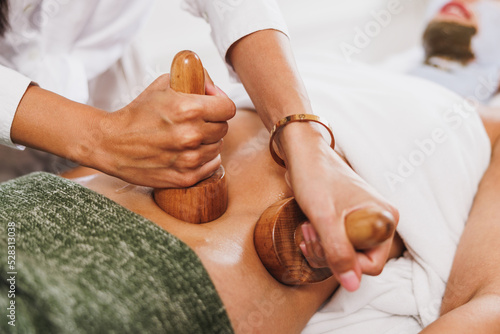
(163, 138)
(327, 190)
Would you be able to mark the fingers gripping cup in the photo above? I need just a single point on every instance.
(278, 234)
(206, 200)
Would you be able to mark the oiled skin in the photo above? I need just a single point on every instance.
(255, 302)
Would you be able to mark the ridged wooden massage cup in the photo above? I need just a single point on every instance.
(278, 234)
(206, 200)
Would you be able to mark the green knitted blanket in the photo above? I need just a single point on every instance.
(80, 263)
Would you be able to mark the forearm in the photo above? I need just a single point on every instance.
(265, 64)
(472, 297)
(54, 124)
(266, 67)
(491, 121)
(479, 315)
(149, 142)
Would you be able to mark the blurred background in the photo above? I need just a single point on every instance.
(329, 26)
(376, 32)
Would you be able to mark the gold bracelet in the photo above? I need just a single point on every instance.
(296, 118)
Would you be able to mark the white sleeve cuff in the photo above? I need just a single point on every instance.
(12, 88)
(233, 20)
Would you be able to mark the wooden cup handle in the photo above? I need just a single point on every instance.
(206, 200)
(365, 228)
(187, 74)
(278, 234)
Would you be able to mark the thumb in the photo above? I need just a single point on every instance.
(288, 181)
(211, 88)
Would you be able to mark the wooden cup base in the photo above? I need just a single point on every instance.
(201, 203)
(274, 240)
(206, 200)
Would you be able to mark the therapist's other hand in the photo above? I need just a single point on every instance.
(162, 139)
(327, 190)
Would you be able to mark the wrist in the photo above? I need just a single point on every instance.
(300, 138)
(299, 132)
(52, 123)
(88, 145)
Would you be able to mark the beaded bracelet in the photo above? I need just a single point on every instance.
(296, 118)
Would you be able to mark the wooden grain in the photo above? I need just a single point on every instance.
(278, 233)
(206, 200)
(186, 73)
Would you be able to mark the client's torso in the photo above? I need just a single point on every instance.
(254, 301)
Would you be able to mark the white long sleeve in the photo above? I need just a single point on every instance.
(12, 88)
(63, 45)
(234, 19)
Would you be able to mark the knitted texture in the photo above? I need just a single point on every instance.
(85, 264)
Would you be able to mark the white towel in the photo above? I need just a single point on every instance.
(425, 150)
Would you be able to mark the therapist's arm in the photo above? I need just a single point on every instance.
(324, 186)
(161, 139)
(471, 303)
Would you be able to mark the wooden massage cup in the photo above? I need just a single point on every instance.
(206, 200)
(278, 234)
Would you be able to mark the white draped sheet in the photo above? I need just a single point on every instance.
(425, 149)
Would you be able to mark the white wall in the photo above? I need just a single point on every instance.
(324, 25)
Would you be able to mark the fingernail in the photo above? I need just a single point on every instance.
(305, 232)
(220, 91)
(312, 233)
(287, 179)
(349, 281)
(303, 248)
